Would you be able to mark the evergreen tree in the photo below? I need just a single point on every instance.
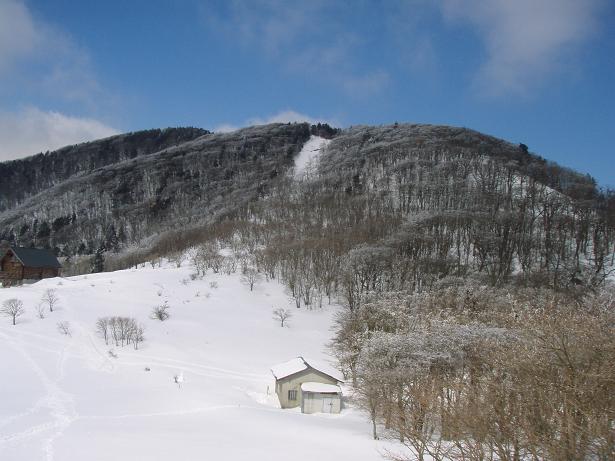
(111, 239)
(98, 262)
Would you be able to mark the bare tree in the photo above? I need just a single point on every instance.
(114, 330)
(138, 335)
(177, 258)
(12, 308)
(251, 277)
(102, 328)
(160, 312)
(64, 328)
(123, 330)
(282, 315)
(50, 298)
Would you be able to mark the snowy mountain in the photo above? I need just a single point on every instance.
(450, 201)
(443, 268)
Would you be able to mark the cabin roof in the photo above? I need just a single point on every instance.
(298, 365)
(291, 367)
(35, 257)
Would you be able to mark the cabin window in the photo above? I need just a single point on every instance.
(292, 395)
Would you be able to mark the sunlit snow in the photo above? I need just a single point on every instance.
(309, 154)
(199, 387)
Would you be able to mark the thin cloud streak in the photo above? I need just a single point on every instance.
(304, 38)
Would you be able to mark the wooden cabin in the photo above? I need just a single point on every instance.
(20, 264)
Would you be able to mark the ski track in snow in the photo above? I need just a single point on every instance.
(59, 403)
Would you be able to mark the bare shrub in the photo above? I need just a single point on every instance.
(282, 315)
(40, 310)
(177, 258)
(64, 328)
(160, 312)
(50, 298)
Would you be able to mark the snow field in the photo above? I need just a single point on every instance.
(67, 398)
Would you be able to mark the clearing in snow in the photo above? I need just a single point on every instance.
(308, 157)
(198, 387)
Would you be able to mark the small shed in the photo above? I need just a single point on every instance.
(312, 387)
(320, 398)
(18, 264)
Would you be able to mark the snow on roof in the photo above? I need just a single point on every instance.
(325, 368)
(299, 364)
(291, 367)
(321, 388)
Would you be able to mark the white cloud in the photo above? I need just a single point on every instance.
(284, 116)
(272, 25)
(306, 38)
(526, 40)
(32, 130)
(18, 34)
(38, 59)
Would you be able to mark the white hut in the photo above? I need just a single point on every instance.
(299, 383)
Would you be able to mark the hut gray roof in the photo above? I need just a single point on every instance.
(36, 257)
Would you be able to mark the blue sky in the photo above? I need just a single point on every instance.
(540, 72)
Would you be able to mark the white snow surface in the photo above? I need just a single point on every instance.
(73, 398)
(320, 387)
(282, 370)
(309, 154)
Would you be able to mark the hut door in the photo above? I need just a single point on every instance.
(327, 404)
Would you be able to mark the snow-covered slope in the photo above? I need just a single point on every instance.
(68, 398)
(308, 156)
